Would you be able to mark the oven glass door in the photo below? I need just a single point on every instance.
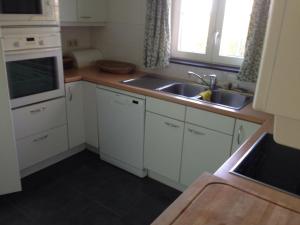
(32, 76)
(21, 7)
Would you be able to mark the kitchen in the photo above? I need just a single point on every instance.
(95, 147)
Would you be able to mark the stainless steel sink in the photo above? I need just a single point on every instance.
(183, 89)
(219, 97)
(229, 99)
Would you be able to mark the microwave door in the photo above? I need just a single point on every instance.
(28, 7)
(34, 77)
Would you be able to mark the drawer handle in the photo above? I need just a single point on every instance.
(35, 111)
(85, 17)
(171, 125)
(196, 132)
(41, 138)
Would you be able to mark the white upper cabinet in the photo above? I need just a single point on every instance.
(92, 10)
(83, 12)
(279, 80)
(68, 10)
(242, 131)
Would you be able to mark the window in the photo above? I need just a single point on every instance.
(213, 31)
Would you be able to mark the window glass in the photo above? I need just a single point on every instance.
(235, 28)
(194, 25)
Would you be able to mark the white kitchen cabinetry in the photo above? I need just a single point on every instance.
(90, 114)
(204, 150)
(74, 100)
(92, 10)
(277, 89)
(83, 12)
(68, 10)
(42, 146)
(163, 145)
(242, 131)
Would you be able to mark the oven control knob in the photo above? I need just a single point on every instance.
(41, 42)
(17, 44)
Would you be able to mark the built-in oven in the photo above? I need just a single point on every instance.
(29, 12)
(33, 65)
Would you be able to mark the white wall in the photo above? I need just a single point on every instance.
(83, 36)
(123, 37)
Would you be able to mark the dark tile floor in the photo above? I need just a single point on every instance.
(83, 190)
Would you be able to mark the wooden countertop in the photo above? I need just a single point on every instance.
(214, 201)
(223, 198)
(93, 75)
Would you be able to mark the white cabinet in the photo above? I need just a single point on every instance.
(75, 114)
(163, 145)
(90, 114)
(278, 84)
(242, 131)
(83, 12)
(204, 150)
(92, 10)
(68, 10)
(42, 146)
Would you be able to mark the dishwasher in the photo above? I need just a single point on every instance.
(121, 121)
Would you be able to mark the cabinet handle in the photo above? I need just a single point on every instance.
(41, 138)
(70, 94)
(239, 135)
(196, 132)
(85, 17)
(171, 125)
(35, 111)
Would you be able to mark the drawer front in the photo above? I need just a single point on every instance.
(37, 148)
(168, 109)
(40, 117)
(210, 120)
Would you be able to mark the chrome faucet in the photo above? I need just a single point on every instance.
(213, 79)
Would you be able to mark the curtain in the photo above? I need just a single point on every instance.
(157, 46)
(255, 41)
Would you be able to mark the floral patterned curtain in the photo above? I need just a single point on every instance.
(254, 47)
(157, 36)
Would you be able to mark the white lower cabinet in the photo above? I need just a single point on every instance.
(75, 116)
(90, 114)
(242, 131)
(204, 150)
(163, 145)
(39, 147)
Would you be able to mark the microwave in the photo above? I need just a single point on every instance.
(29, 12)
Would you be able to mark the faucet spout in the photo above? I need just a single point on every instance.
(213, 79)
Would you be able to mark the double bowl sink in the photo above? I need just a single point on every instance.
(219, 97)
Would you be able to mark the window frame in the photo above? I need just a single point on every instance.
(214, 37)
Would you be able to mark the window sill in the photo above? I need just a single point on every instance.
(231, 69)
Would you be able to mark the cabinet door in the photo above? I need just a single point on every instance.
(90, 114)
(203, 151)
(92, 10)
(163, 145)
(68, 10)
(242, 131)
(75, 114)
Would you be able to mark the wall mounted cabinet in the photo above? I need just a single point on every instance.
(83, 12)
